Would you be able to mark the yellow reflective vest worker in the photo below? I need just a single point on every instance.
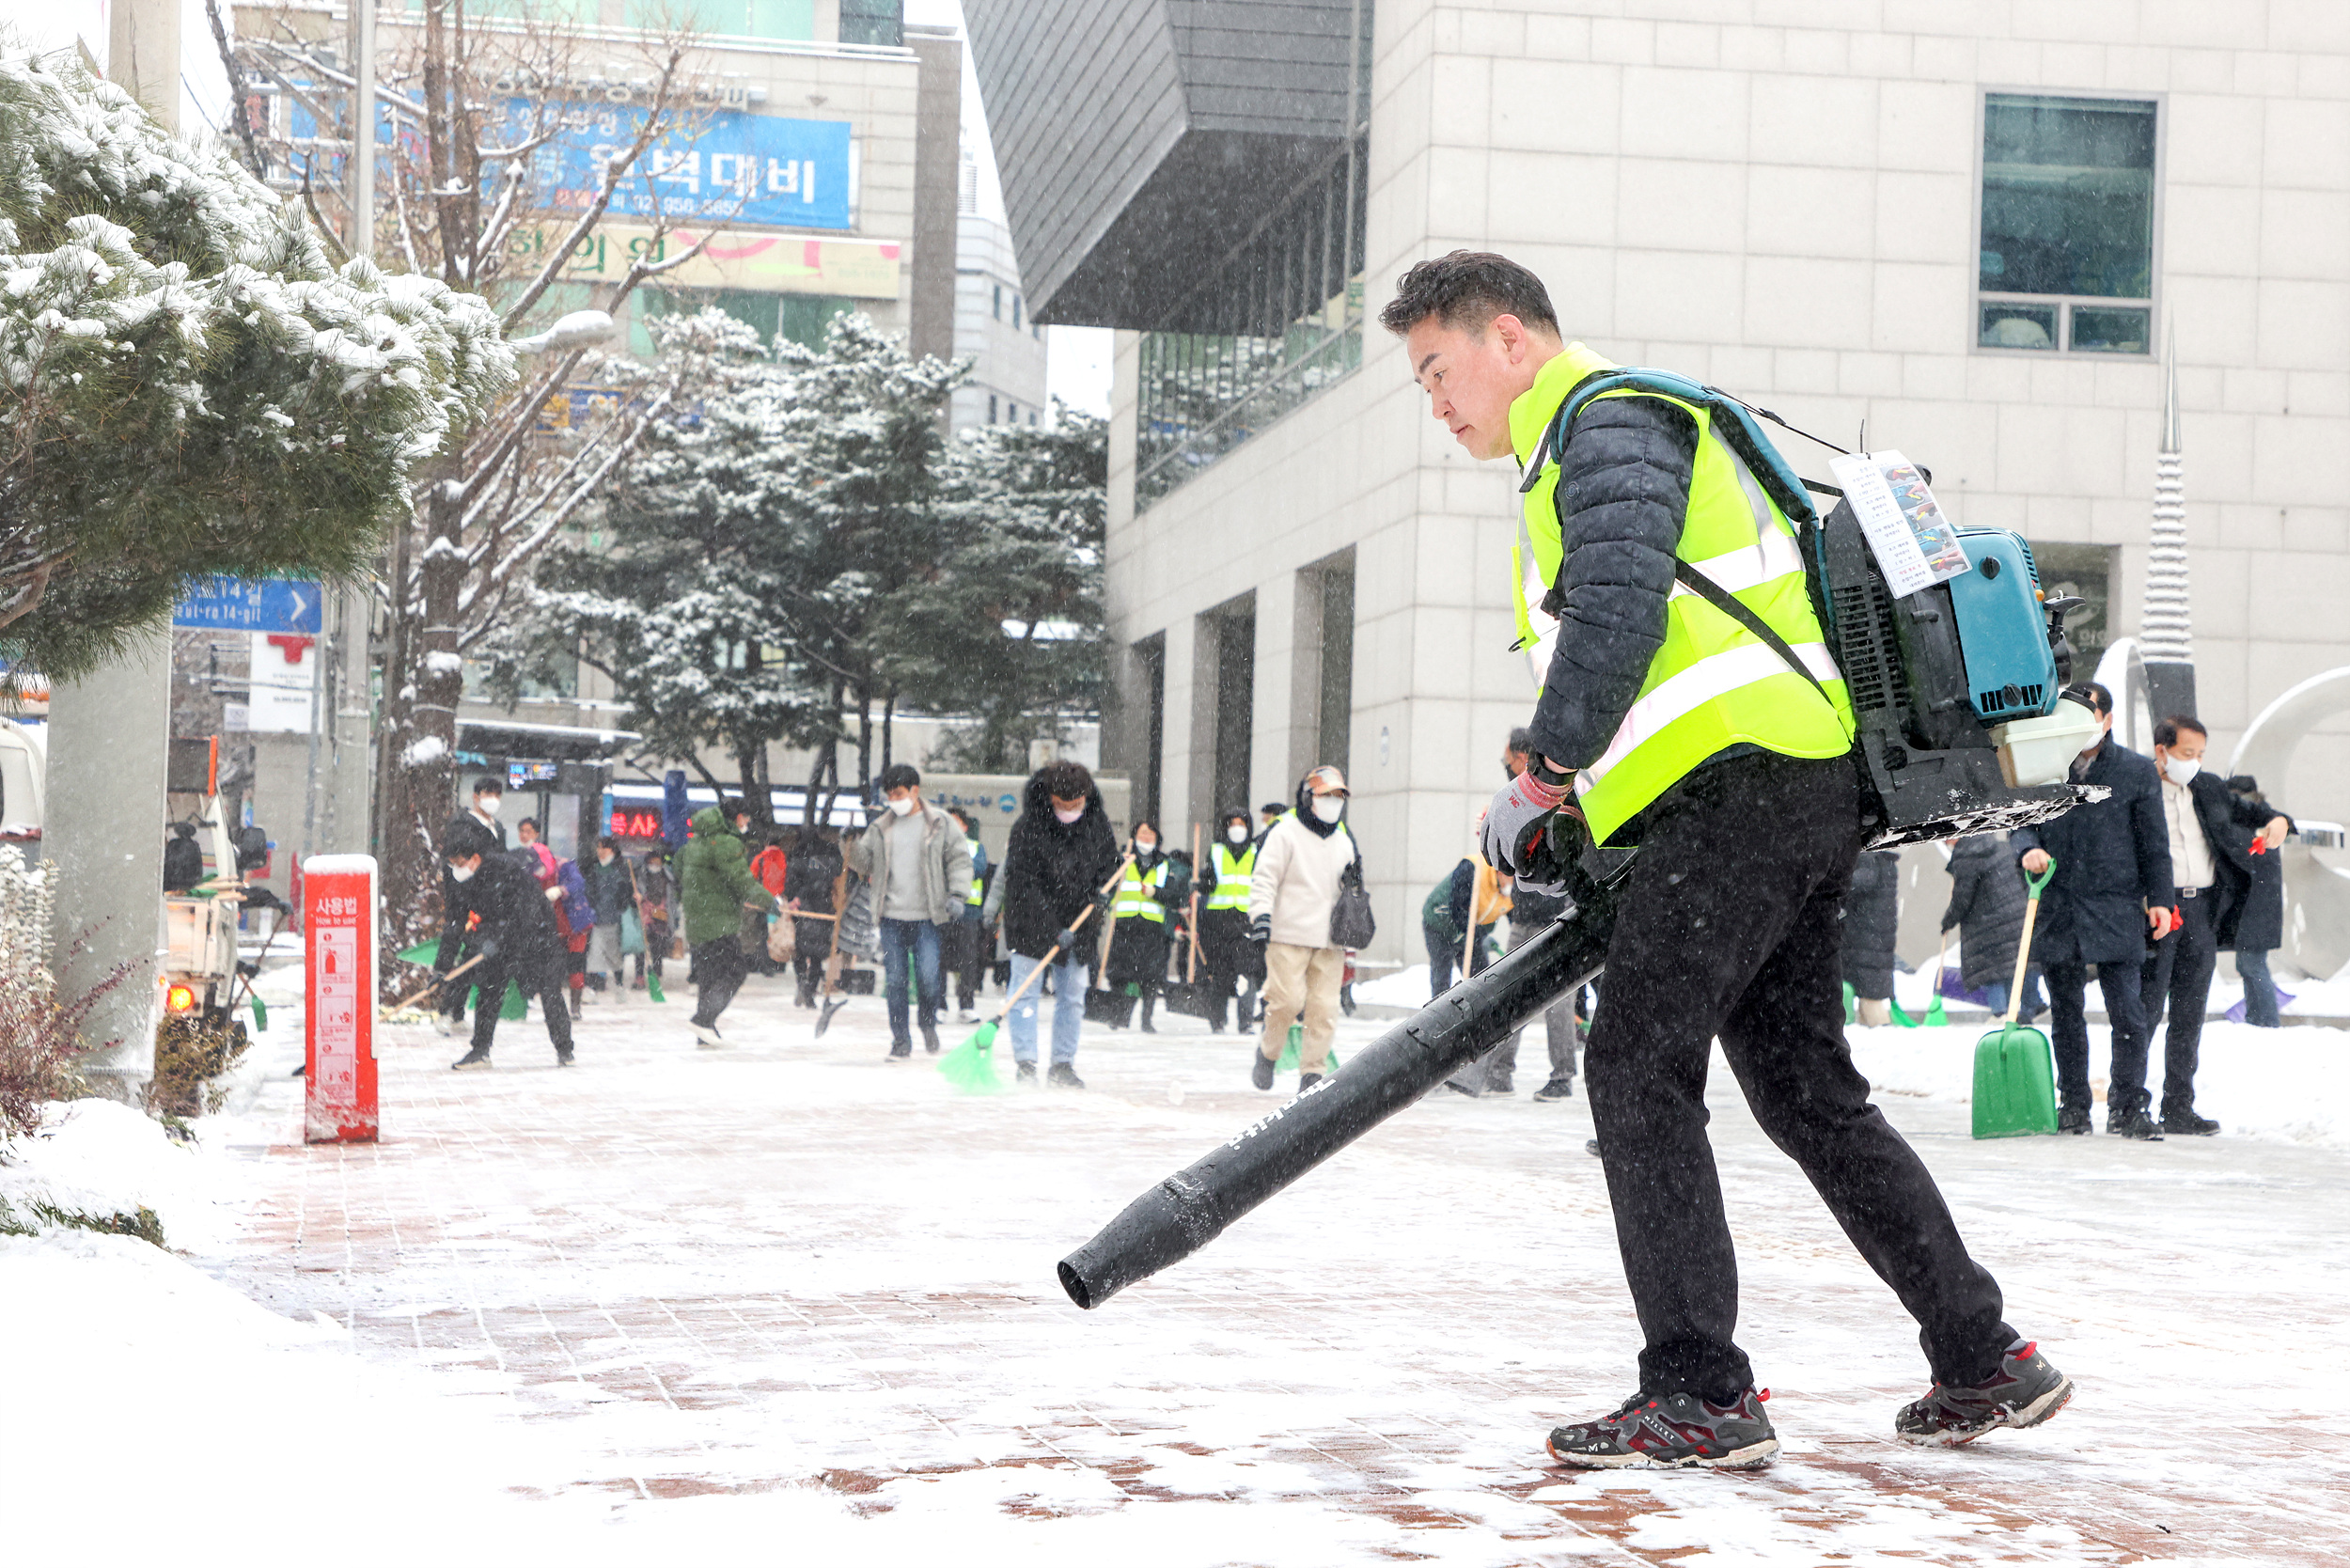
(1712, 684)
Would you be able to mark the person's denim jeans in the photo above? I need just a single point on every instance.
(2260, 988)
(1069, 978)
(898, 938)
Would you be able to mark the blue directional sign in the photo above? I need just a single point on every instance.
(250, 605)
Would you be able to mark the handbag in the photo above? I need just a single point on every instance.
(781, 940)
(1350, 921)
(632, 933)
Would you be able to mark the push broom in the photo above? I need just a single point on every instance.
(2014, 1070)
(971, 1066)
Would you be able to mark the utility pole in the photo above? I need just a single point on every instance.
(109, 738)
(350, 781)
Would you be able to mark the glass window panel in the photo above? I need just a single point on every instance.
(2108, 329)
(881, 22)
(2017, 326)
(2068, 197)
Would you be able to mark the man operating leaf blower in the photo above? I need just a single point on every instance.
(1691, 708)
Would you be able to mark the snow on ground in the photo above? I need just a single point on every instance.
(789, 1303)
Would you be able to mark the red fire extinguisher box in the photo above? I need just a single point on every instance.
(338, 904)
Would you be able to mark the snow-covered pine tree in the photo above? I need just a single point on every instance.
(186, 384)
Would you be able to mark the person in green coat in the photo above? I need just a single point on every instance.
(715, 887)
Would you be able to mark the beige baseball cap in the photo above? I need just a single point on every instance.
(1327, 780)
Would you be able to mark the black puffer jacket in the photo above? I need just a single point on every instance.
(1623, 491)
(1051, 870)
(1872, 914)
(516, 929)
(1986, 908)
(2112, 860)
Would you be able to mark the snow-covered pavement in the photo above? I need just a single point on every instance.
(789, 1303)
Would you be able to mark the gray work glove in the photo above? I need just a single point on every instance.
(1260, 929)
(1533, 832)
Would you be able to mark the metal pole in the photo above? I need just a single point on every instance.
(349, 787)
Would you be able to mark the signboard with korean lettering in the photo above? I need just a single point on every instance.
(717, 166)
(338, 905)
(284, 605)
(729, 259)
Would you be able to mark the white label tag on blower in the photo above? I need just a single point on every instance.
(1916, 544)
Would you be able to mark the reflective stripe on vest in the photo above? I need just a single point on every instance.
(1233, 875)
(1713, 684)
(978, 895)
(1133, 903)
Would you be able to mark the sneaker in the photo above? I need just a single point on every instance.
(1024, 1072)
(1064, 1075)
(1261, 1071)
(1460, 1088)
(563, 1056)
(1307, 1081)
(2025, 1391)
(929, 1039)
(2072, 1119)
(900, 1049)
(2137, 1124)
(2187, 1124)
(447, 1025)
(1672, 1432)
(473, 1059)
(1590, 1147)
(707, 1038)
(1501, 1086)
(1556, 1090)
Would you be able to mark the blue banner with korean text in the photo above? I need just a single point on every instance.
(250, 605)
(718, 166)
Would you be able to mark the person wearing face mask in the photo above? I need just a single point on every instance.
(494, 907)
(1152, 887)
(2215, 834)
(2111, 895)
(1290, 896)
(481, 813)
(919, 866)
(611, 893)
(715, 887)
(1229, 962)
(1060, 853)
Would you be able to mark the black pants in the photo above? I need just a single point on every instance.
(544, 983)
(1443, 956)
(720, 967)
(1729, 928)
(2178, 977)
(808, 968)
(656, 949)
(960, 954)
(2124, 986)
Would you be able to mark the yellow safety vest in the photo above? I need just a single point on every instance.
(978, 895)
(1713, 684)
(1232, 874)
(1134, 894)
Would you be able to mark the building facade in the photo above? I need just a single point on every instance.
(1971, 230)
(994, 328)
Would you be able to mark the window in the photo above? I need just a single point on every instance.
(1015, 313)
(2066, 259)
(1000, 302)
(877, 21)
(991, 408)
(1011, 412)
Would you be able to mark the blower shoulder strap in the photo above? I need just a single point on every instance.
(1732, 419)
(1721, 599)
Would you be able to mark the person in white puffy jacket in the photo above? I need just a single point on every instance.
(1289, 899)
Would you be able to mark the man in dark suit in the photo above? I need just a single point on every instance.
(2111, 892)
(2214, 835)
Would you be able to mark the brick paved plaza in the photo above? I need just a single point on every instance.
(789, 1270)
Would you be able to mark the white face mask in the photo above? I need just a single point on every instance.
(1329, 808)
(463, 873)
(1144, 846)
(1066, 818)
(2182, 768)
(1237, 833)
(903, 805)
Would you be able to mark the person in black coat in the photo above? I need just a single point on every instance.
(184, 859)
(495, 907)
(809, 874)
(1061, 851)
(2111, 893)
(1986, 909)
(2213, 833)
(2257, 927)
(1872, 916)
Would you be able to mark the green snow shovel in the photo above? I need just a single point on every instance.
(1290, 1056)
(2014, 1070)
(970, 1067)
(1936, 1014)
